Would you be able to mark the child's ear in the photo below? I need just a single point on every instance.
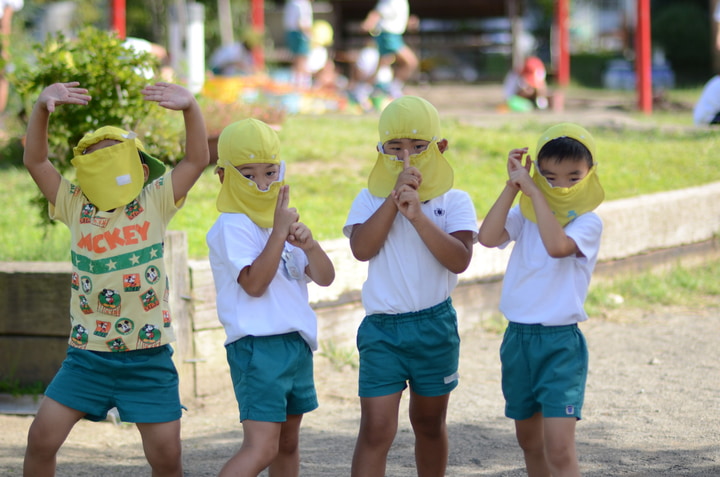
(146, 172)
(442, 145)
(221, 174)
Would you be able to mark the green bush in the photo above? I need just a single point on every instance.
(113, 77)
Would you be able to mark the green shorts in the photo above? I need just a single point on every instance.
(544, 369)
(422, 348)
(389, 43)
(272, 376)
(298, 43)
(141, 384)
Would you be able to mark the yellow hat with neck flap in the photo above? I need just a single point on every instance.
(566, 203)
(113, 176)
(414, 118)
(249, 141)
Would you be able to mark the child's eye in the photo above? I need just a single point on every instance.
(248, 176)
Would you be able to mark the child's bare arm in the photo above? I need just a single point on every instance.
(256, 278)
(35, 156)
(453, 251)
(367, 239)
(197, 154)
(320, 269)
(492, 231)
(554, 238)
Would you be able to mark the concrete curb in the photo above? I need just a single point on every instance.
(631, 227)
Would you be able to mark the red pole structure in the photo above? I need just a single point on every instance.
(117, 17)
(562, 22)
(258, 24)
(643, 65)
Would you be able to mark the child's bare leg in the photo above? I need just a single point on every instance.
(529, 433)
(162, 446)
(427, 416)
(378, 425)
(287, 462)
(406, 63)
(560, 446)
(48, 431)
(258, 450)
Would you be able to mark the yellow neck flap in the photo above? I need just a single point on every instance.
(437, 174)
(110, 177)
(240, 195)
(566, 203)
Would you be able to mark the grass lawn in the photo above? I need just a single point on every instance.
(329, 159)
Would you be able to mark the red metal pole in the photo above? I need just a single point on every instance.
(643, 65)
(258, 24)
(562, 23)
(117, 17)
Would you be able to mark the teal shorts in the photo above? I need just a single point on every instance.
(389, 43)
(422, 348)
(272, 376)
(141, 384)
(544, 369)
(298, 43)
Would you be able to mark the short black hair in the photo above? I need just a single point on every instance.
(565, 149)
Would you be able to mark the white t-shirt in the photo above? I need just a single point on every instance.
(708, 105)
(234, 242)
(297, 15)
(539, 289)
(404, 276)
(394, 15)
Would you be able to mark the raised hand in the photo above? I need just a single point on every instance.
(285, 216)
(169, 95)
(63, 93)
(409, 176)
(300, 236)
(519, 173)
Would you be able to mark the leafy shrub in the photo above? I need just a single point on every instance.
(113, 77)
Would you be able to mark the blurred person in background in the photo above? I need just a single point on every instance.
(7, 8)
(526, 88)
(387, 22)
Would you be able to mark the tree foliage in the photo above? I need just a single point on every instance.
(114, 77)
(112, 74)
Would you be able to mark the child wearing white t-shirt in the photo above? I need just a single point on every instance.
(262, 258)
(387, 23)
(416, 232)
(557, 237)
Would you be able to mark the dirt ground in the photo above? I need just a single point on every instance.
(652, 403)
(652, 409)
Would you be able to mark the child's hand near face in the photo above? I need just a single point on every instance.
(409, 176)
(519, 173)
(406, 196)
(285, 216)
(63, 93)
(169, 96)
(300, 236)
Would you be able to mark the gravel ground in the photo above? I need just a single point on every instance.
(652, 409)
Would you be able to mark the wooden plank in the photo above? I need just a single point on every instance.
(34, 301)
(30, 359)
